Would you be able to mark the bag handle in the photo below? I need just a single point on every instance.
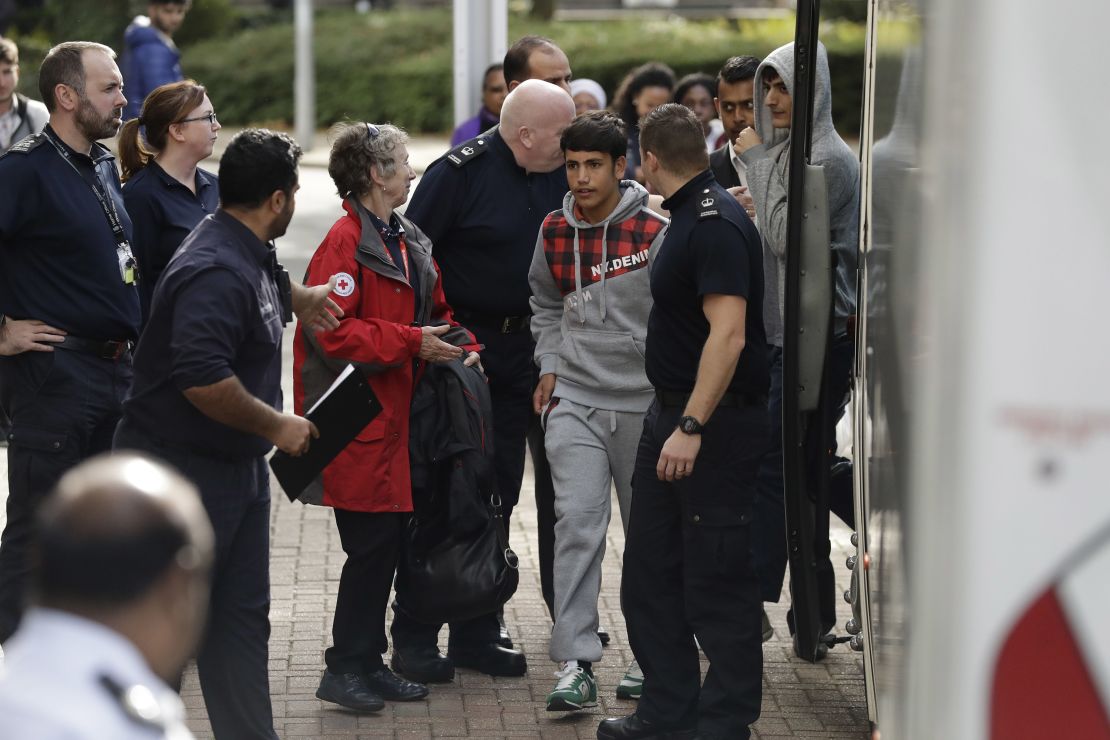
(511, 558)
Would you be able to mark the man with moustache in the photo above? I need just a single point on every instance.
(69, 295)
(735, 92)
(536, 58)
(482, 205)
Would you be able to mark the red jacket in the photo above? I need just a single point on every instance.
(377, 334)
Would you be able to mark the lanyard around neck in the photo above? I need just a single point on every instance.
(106, 203)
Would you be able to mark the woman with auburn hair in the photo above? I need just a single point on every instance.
(165, 192)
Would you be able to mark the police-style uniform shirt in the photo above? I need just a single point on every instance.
(59, 261)
(712, 247)
(217, 312)
(65, 677)
(482, 212)
(163, 212)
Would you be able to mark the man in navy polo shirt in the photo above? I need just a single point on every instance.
(207, 399)
(67, 282)
(687, 560)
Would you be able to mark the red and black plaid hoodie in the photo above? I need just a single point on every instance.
(591, 298)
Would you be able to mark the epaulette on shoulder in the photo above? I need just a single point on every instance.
(137, 702)
(707, 206)
(25, 145)
(467, 151)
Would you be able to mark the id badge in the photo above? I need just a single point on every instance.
(128, 268)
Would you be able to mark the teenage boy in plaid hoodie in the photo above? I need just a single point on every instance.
(590, 304)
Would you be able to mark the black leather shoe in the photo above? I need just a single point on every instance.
(634, 728)
(489, 658)
(348, 690)
(423, 664)
(393, 687)
(504, 639)
(603, 635)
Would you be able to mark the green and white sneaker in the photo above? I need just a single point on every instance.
(632, 685)
(575, 690)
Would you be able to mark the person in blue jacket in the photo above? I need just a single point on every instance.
(150, 58)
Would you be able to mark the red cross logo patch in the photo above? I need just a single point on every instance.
(344, 284)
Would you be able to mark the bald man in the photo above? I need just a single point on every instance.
(121, 579)
(482, 205)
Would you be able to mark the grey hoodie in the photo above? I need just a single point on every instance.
(591, 298)
(768, 166)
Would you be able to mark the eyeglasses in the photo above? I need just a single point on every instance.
(211, 118)
(372, 131)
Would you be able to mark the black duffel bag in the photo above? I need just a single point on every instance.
(458, 577)
(455, 562)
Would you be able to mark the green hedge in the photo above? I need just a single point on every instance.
(395, 66)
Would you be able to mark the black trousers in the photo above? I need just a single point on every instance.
(233, 657)
(545, 513)
(507, 359)
(688, 571)
(372, 541)
(769, 533)
(64, 406)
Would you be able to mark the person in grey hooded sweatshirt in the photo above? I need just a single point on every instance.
(765, 152)
(590, 304)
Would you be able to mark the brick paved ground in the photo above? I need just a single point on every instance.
(800, 700)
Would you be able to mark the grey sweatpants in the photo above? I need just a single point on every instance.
(589, 449)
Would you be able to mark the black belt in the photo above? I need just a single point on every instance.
(503, 324)
(729, 399)
(105, 349)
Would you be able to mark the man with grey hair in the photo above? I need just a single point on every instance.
(121, 581)
(68, 282)
(482, 205)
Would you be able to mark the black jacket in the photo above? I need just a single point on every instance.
(451, 450)
(723, 171)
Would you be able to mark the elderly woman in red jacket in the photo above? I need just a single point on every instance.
(395, 319)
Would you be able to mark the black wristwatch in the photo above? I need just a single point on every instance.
(689, 425)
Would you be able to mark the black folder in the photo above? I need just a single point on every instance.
(340, 414)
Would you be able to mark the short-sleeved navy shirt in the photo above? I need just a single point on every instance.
(163, 212)
(58, 259)
(709, 249)
(483, 218)
(216, 313)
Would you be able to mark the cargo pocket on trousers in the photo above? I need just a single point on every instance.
(38, 440)
(724, 534)
(37, 458)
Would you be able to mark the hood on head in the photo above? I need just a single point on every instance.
(781, 60)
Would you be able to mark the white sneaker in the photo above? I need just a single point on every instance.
(575, 690)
